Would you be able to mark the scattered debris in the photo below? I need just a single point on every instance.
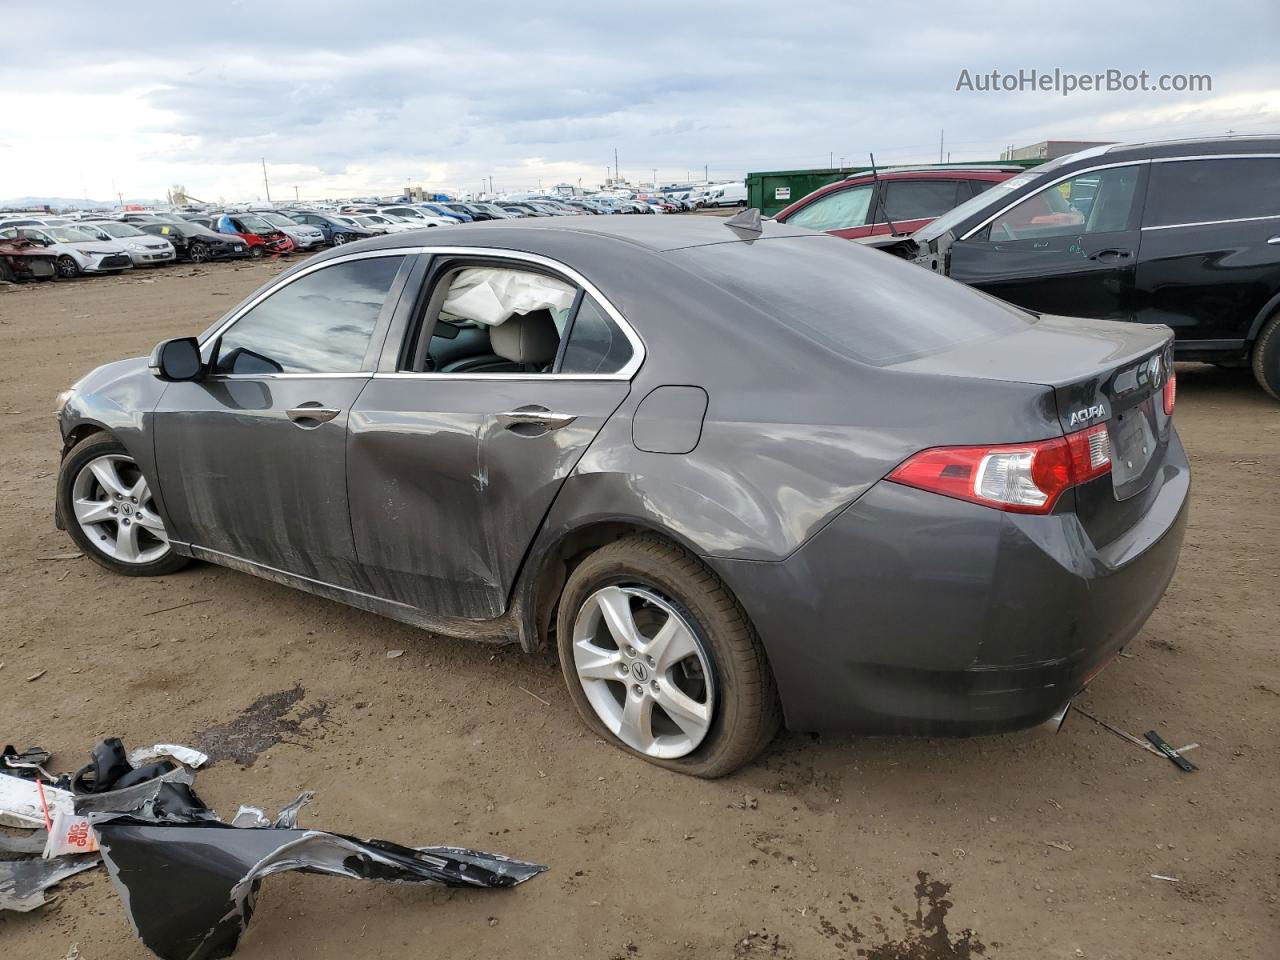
(1059, 845)
(37, 675)
(189, 603)
(1161, 876)
(187, 756)
(545, 703)
(1181, 762)
(62, 556)
(392, 654)
(189, 881)
(747, 802)
(23, 882)
(1136, 741)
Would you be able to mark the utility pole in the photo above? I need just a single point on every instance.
(616, 173)
(705, 176)
(295, 194)
(265, 184)
(942, 137)
(831, 159)
(655, 178)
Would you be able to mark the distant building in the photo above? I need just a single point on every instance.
(1051, 149)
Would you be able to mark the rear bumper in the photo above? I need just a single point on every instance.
(912, 613)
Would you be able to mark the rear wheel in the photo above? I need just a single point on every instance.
(67, 267)
(1266, 357)
(108, 508)
(660, 659)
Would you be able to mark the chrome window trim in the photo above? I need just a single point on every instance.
(240, 311)
(627, 371)
(1209, 223)
(1053, 183)
(1218, 156)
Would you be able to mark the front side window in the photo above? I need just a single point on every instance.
(835, 211)
(918, 199)
(1204, 191)
(320, 323)
(1099, 201)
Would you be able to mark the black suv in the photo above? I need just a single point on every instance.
(1185, 233)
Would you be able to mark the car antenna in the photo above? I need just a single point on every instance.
(875, 177)
(747, 221)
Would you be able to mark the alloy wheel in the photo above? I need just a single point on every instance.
(199, 253)
(67, 267)
(113, 506)
(644, 670)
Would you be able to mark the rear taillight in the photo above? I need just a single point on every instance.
(1170, 393)
(1018, 477)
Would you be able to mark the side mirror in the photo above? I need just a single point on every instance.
(177, 360)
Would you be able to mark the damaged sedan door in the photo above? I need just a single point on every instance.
(456, 452)
(252, 455)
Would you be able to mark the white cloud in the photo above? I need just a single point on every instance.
(346, 99)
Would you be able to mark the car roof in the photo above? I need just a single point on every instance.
(1190, 147)
(552, 236)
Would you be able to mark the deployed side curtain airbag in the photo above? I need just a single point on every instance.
(489, 296)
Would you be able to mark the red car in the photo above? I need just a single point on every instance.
(909, 197)
(261, 237)
(22, 259)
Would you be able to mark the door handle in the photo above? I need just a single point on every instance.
(1108, 255)
(535, 416)
(1275, 239)
(313, 412)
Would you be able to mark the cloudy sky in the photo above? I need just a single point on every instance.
(362, 97)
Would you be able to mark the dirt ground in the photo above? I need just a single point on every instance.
(890, 849)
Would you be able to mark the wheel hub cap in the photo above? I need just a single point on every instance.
(112, 505)
(644, 670)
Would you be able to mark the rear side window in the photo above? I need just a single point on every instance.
(320, 323)
(596, 344)
(920, 199)
(1200, 191)
(857, 302)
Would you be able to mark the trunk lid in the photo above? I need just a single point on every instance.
(1099, 371)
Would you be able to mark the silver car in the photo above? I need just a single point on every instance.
(304, 236)
(144, 249)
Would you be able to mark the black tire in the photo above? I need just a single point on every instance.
(258, 252)
(6, 272)
(198, 252)
(1266, 357)
(87, 450)
(67, 268)
(340, 238)
(747, 713)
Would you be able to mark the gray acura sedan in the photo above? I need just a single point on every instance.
(738, 477)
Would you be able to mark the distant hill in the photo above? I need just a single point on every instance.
(65, 203)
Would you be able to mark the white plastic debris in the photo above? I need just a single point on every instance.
(21, 806)
(187, 756)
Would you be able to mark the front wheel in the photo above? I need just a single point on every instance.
(199, 253)
(67, 267)
(660, 659)
(257, 252)
(340, 238)
(1266, 357)
(108, 508)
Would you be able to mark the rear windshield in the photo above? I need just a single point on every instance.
(865, 304)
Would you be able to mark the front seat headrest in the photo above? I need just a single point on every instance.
(530, 339)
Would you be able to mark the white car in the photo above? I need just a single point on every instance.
(304, 236)
(77, 251)
(145, 249)
(415, 216)
(384, 222)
